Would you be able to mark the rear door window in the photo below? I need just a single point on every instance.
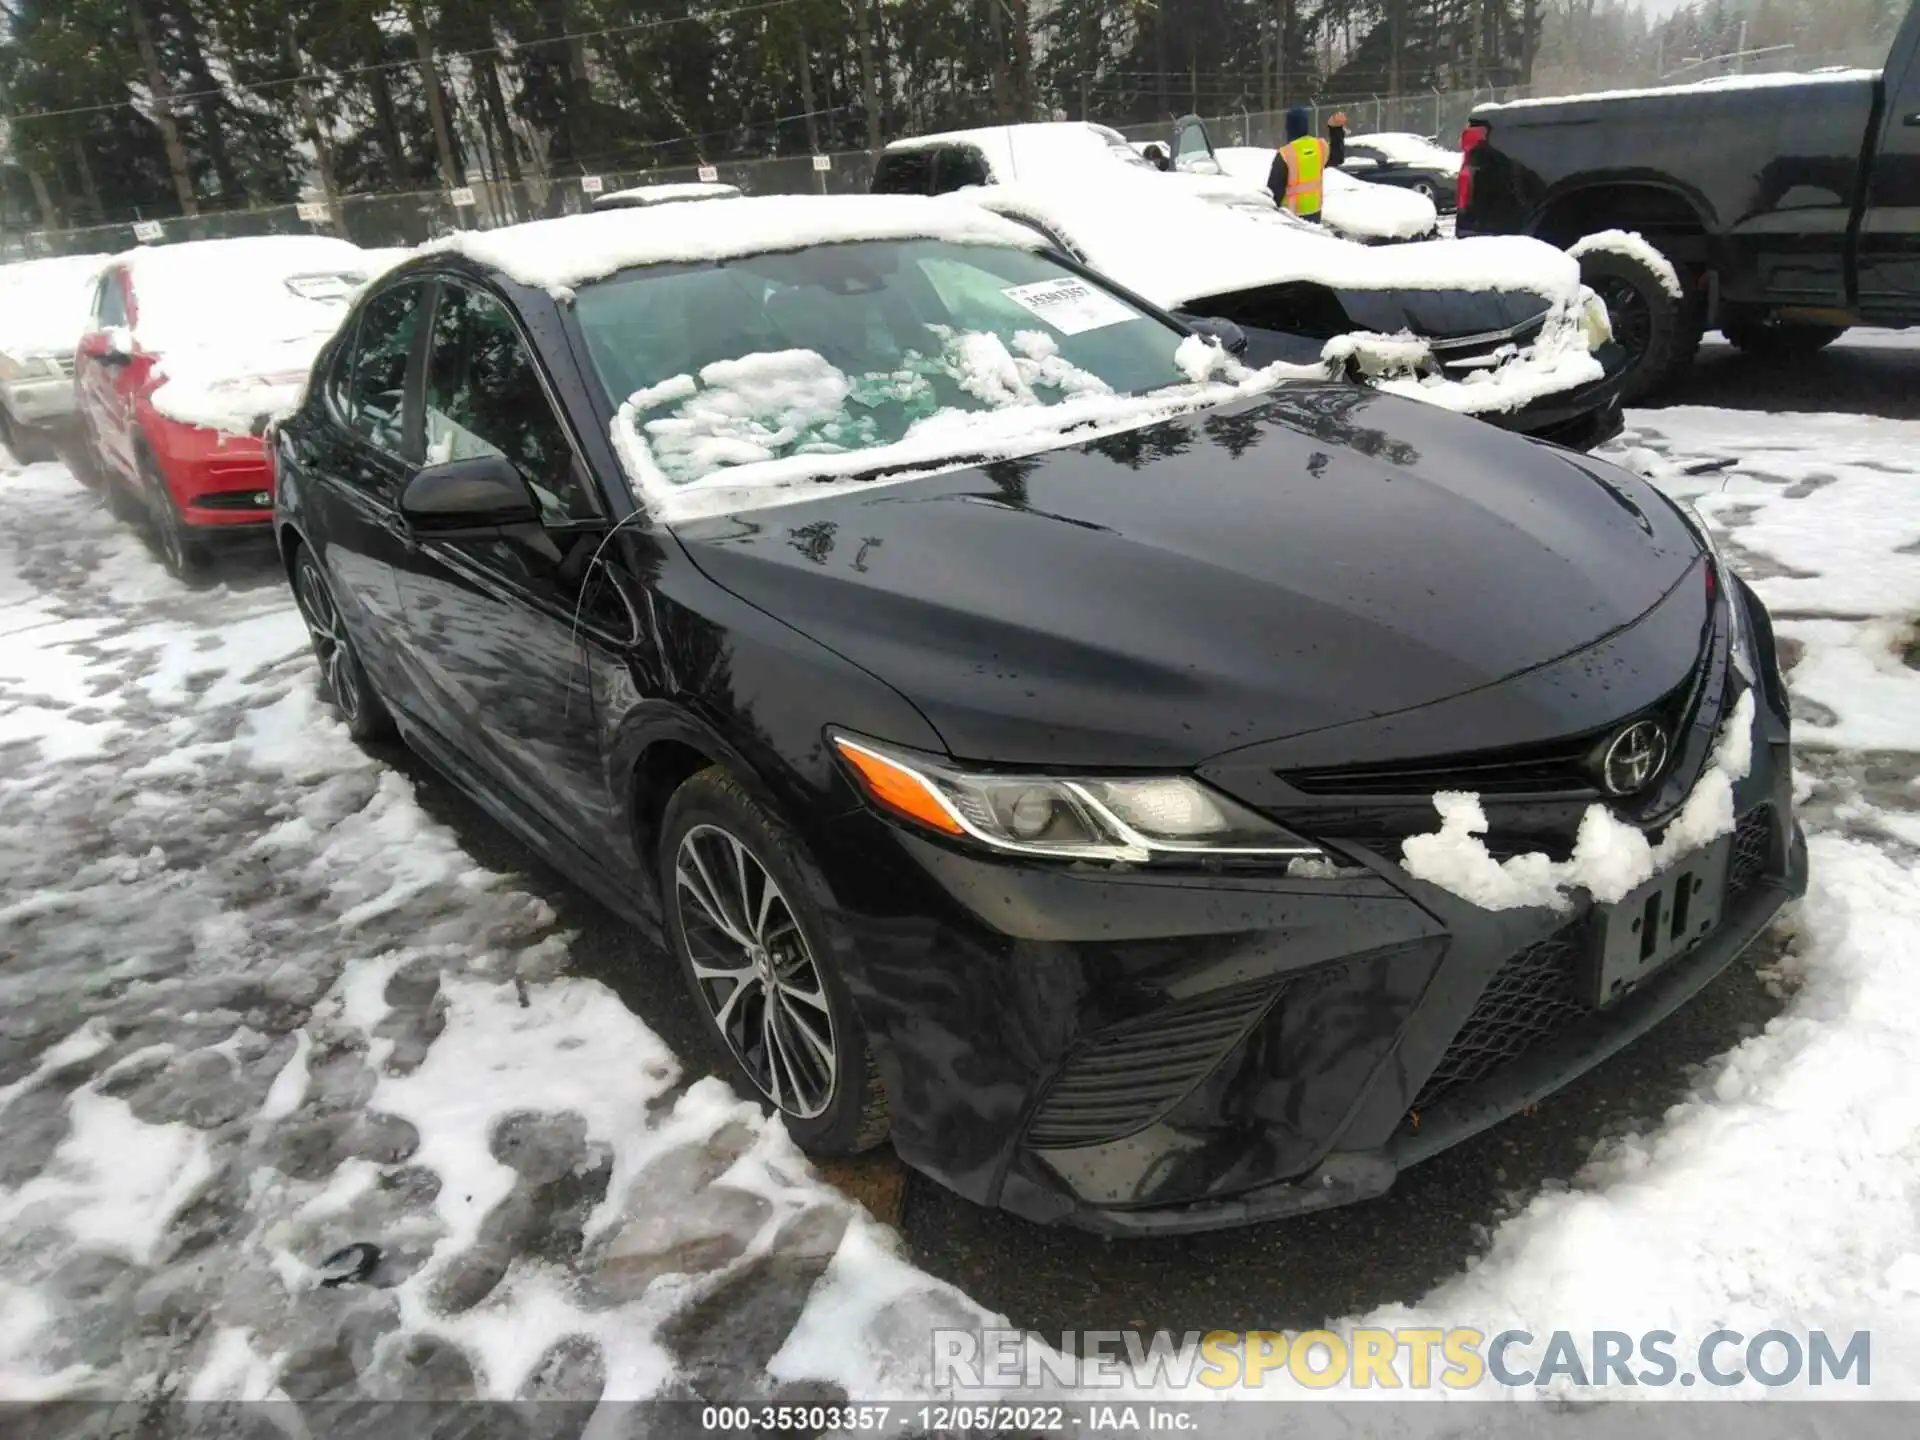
(904, 172)
(958, 167)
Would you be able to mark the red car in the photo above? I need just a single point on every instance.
(189, 351)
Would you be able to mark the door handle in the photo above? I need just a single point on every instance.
(1913, 120)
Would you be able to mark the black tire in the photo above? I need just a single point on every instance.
(1660, 334)
(343, 679)
(1765, 338)
(186, 558)
(28, 444)
(764, 959)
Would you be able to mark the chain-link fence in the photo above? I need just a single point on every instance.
(407, 219)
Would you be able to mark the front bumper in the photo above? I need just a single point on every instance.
(1580, 419)
(1142, 1053)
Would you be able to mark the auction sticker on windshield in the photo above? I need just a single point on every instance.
(1069, 305)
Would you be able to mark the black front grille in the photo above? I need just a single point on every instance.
(1555, 768)
(1124, 1078)
(1531, 998)
(1752, 852)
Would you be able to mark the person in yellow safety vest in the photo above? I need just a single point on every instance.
(1297, 178)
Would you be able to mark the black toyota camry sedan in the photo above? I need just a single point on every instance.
(1014, 715)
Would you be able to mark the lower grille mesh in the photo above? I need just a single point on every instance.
(1752, 852)
(1124, 1078)
(1531, 998)
(1538, 993)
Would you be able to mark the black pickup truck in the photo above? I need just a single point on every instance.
(1788, 205)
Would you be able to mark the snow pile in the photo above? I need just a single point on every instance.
(774, 429)
(560, 255)
(1634, 247)
(1724, 85)
(1376, 356)
(230, 365)
(1610, 858)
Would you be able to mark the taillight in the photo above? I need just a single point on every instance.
(1471, 139)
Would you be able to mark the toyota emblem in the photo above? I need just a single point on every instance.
(1633, 757)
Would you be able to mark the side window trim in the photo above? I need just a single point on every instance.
(583, 475)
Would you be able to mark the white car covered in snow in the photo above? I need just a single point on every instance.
(1500, 330)
(43, 307)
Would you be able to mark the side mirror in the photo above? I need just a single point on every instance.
(468, 497)
(114, 348)
(1230, 336)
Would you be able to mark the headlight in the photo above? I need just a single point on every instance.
(1739, 641)
(1596, 322)
(23, 367)
(1106, 818)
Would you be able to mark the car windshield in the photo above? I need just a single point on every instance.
(847, 347)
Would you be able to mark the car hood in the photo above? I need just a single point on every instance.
(1251, 573)
(1175, 247)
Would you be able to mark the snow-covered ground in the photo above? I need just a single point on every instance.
(256, 1006)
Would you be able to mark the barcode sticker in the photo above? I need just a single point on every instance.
(1071, 305)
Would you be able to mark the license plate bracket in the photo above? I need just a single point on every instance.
(1659, 922)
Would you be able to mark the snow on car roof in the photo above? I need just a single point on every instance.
(662, 194)
(1767, 81)
(558, 255)
(1409, 149)
(1174, 247)
(1353, 207)
(1041, 145)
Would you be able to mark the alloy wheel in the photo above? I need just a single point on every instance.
(329, 640)
(755, 971)
(1627, 309)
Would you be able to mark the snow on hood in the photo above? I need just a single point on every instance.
(1352, 207)
(1610, 858)
(235, 324)
(235, 390)
(1406, 148)
(1175, 247)
(44, 303)
(557, 255)
(1769, 81)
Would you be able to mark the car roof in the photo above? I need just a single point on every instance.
(557, 255)
(665, 194)
(1041, 145)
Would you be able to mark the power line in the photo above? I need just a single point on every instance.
(176, 98)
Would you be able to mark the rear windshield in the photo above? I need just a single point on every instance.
(846, 347)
